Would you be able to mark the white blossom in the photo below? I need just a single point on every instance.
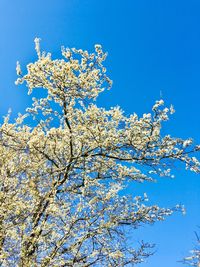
(18, 68)
(65, 176)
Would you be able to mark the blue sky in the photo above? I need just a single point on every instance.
(154, 49)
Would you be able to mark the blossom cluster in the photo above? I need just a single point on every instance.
(62, 181)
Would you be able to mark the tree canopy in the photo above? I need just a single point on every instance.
(63, 178)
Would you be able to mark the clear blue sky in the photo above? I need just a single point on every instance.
(153, 46)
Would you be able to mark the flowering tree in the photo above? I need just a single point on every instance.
(194, 258)
(62, 180)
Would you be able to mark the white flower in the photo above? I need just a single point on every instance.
(37, 45)
(18, 68)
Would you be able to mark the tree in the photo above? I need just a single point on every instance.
(194, 258)
(63, 179)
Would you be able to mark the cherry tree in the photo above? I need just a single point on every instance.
(63, 177)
